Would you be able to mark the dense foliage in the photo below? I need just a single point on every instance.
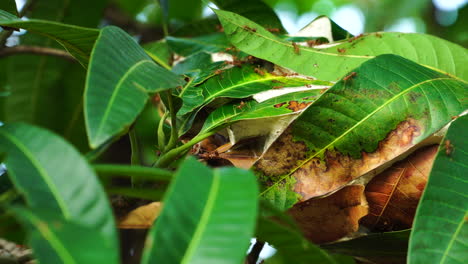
(328, 146)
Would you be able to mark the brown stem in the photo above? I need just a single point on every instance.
(37, 51)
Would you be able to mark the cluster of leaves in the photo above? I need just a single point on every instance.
(320, 118)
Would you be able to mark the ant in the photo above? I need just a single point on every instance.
(259, 71)
(296, 48)
(250, 29)
(448, 147)
(349, 76)
(241, 105)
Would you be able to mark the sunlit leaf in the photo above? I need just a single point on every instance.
(237, 83)
(424, 49)
(372, 116)
(282, 105)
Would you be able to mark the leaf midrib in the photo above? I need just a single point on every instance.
(452, 239)
(115, 93)
(41, 172)
(49, 235)
(202, 224)
(63, 42)
(397, 96)
(300, 47)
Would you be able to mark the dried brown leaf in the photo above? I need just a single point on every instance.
(393, 195)
(333, 217)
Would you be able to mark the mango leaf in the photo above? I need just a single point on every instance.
(119, 79)
(279, 229)
(440, 230)
(78, 41)
(50, 173)
(277, 106)
(256, 10)
(424, 49)
(394, 194)
(159, 52)
(35, 81)
(208, 217)
(55, 239)
(376, 113)
(382, 248)
(9, 6)
(211, 43)
(237, 83)
(333, 217)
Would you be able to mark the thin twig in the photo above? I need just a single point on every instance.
(252, 258)
(37, 51)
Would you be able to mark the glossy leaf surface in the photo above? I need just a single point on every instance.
(277, 106)
(237, 83)
(208, 217)
(120, 77)
(50, 174)
(440, 230)
(337, 138)
(424, 49)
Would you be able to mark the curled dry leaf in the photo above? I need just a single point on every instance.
(318, 176)
(393, 195)
(333, 217)
(141, 217)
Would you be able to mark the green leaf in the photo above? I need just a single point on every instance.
(208, 217)
(36, 81)
(51, 174)
(440, 230)
(256, 10)
(389, 247)
(9, 6)
(159, 52)
(424, 49)
(288, 240)
(237, 83)
(212, 43)
(277, 106)
(78, 41)
(55, 240)
(388, 105)
(120, 76)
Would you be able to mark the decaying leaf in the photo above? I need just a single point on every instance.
(333, 217)
(359, 127)
(393, 195)
(142, 217)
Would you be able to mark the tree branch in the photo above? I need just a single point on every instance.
(37, 51)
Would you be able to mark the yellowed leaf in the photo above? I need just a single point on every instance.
(141, 217)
